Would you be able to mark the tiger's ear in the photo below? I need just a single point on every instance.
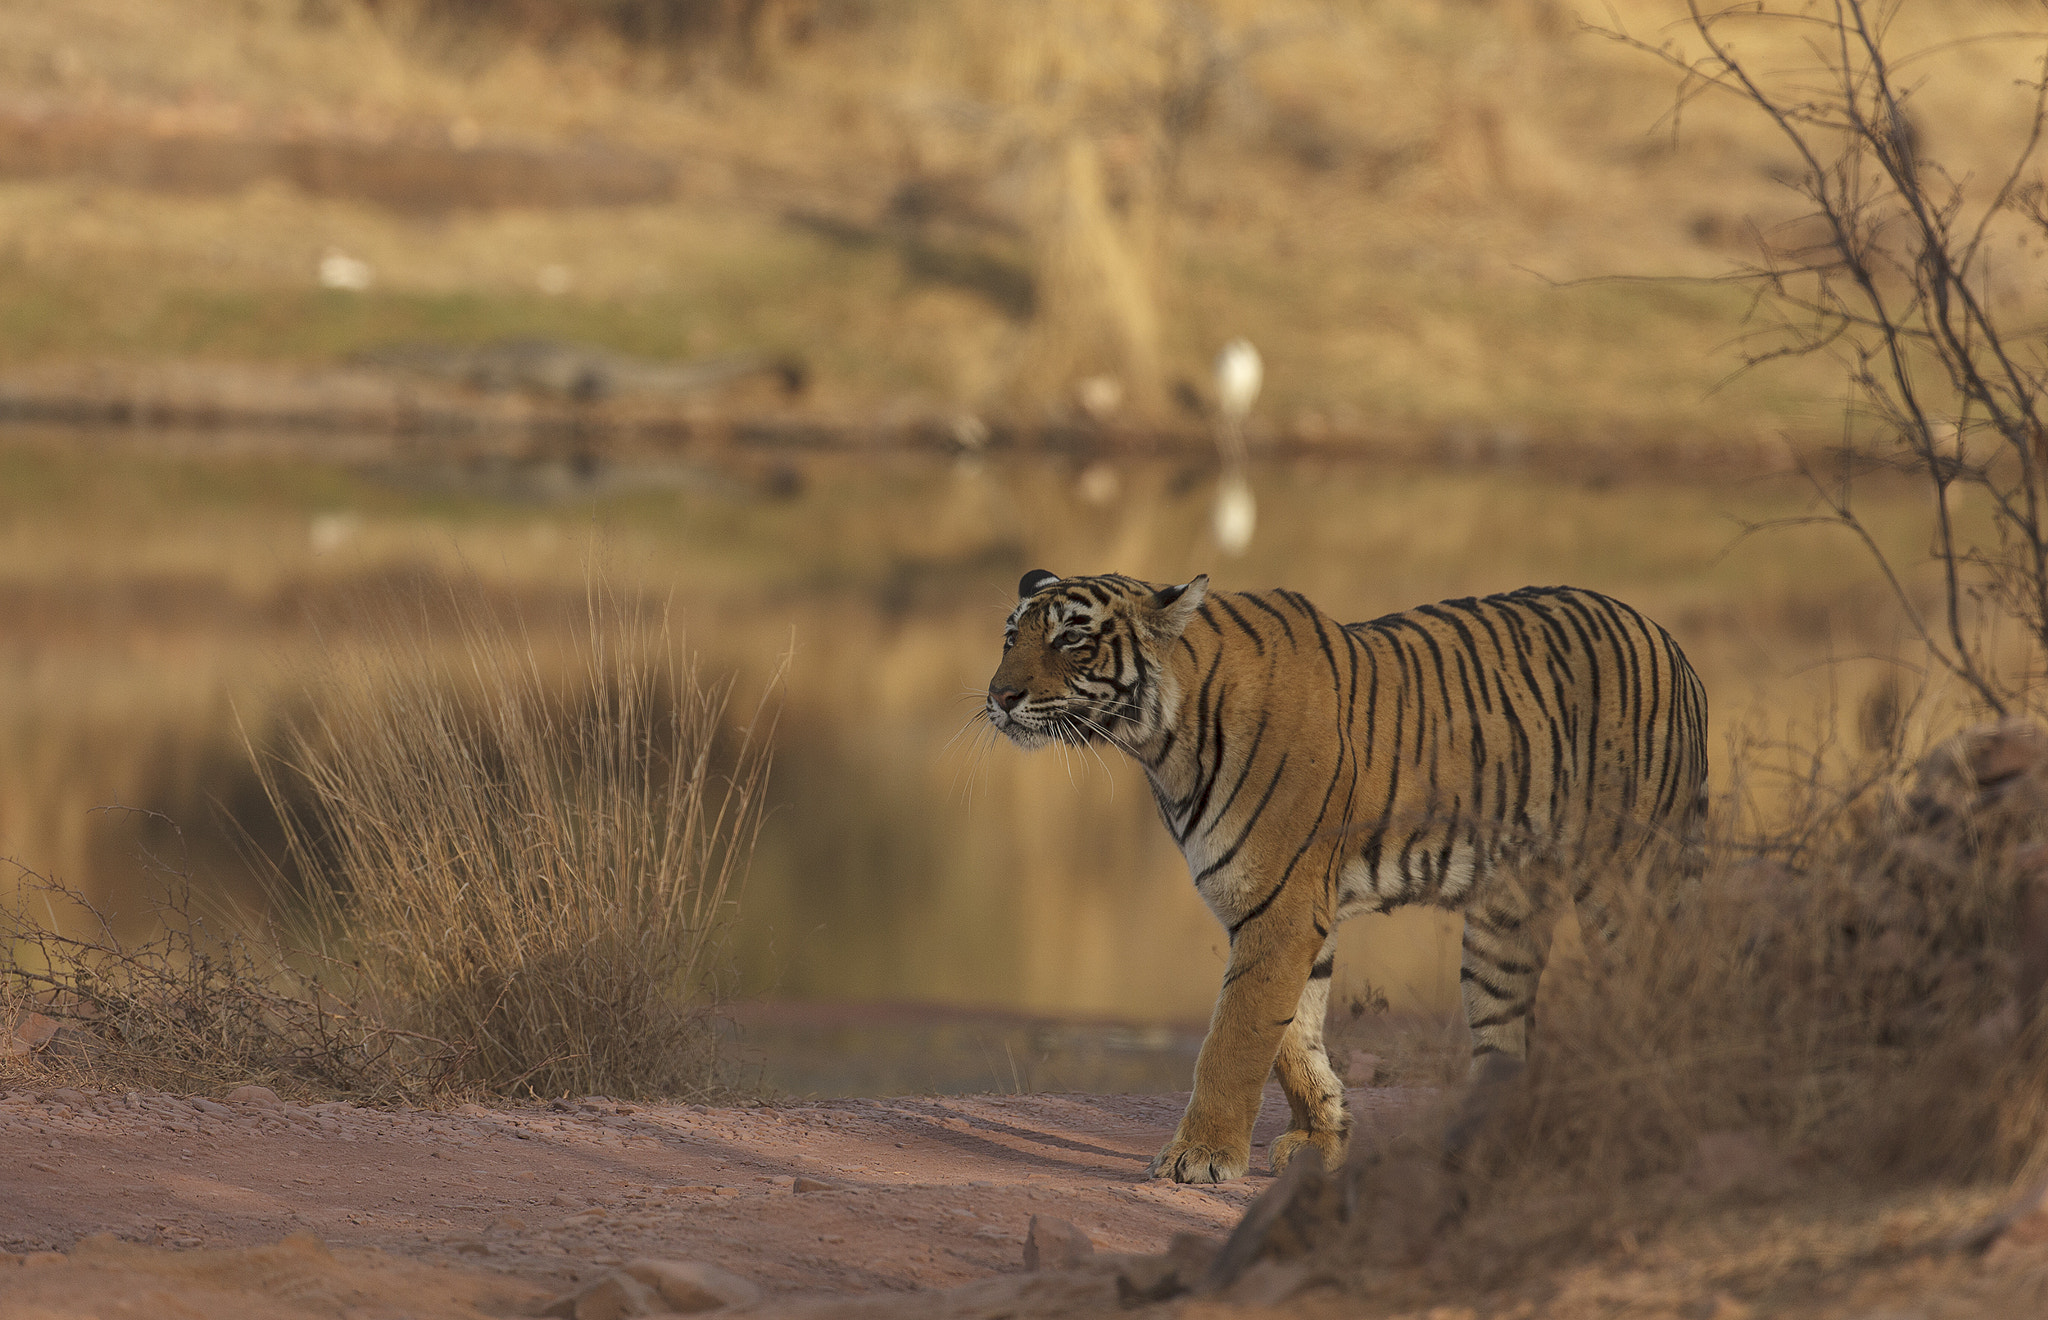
(1035, 581)
(1177, 605)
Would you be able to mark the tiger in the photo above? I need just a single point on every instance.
(1488, 755)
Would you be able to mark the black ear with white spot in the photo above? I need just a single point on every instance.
(1035, 581)
(1166, 596)
(1178, 604)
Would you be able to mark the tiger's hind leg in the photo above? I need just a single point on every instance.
(1507, 942)
(1314, 1095)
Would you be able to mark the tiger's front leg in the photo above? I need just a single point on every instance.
(1261, 988)
(1314, 1095)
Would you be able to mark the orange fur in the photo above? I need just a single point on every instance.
(1502, 757)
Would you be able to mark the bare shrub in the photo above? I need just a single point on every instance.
(1909, 276)
(1847, 988)
(190, 1006)
(533, 855)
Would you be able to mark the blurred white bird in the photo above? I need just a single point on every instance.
(339, 270)
(1235, 515)
(1239, 373)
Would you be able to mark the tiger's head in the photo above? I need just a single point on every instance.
(1083, 657)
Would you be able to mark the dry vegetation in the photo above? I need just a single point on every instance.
(940, 207)
(1840, 1027)
(503, 870)
(1814, 1075)
(1815, 1081)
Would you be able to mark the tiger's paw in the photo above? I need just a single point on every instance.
(1330, 1145)
(1199, 1162)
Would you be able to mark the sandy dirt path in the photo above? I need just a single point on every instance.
(926, 1192)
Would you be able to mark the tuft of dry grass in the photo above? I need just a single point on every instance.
(510, 866)
(534, 855)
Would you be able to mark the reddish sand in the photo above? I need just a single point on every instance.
(928, 1193)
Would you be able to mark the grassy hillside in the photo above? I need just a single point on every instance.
(948, 206)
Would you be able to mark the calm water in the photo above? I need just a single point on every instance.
(161, 597)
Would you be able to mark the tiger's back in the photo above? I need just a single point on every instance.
(1573, 731)
(1502, 756)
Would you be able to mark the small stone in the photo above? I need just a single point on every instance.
(260, 1096)
(1361, 1068)
(34, 1031)
(1055, 1244)
(689, 1287)
(814, 1185)
(613, 1296)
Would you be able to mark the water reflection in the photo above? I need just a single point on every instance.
(160, 606)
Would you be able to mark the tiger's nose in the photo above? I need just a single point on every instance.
(1006, 698)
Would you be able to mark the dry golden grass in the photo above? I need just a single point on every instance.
(539, 867)
(509, 862)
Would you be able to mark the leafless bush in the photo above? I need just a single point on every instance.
(1908, 274)
(191, 1006)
